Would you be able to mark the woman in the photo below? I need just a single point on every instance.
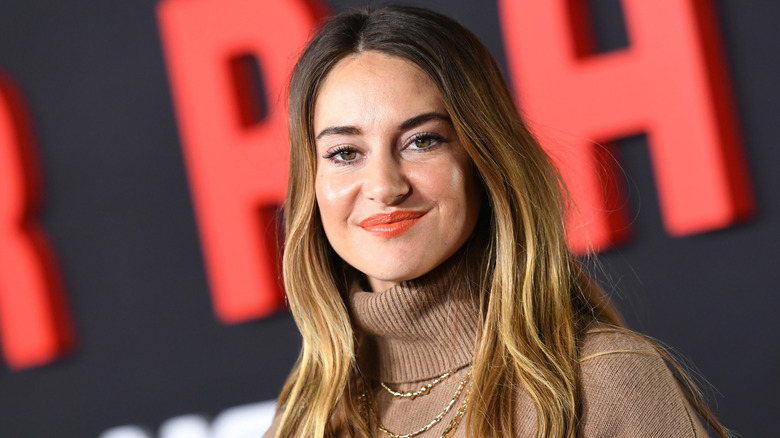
(425, 259)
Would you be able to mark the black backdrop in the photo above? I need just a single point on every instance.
(118, 211)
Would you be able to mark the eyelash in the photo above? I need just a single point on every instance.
(433, 137)
(334, 153)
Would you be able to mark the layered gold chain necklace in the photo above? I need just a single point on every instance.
(420, 392)
(367, 402)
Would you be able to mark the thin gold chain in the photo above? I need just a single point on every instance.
(420, 392)
(448, 432)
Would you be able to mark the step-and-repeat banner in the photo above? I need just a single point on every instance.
(143, 166)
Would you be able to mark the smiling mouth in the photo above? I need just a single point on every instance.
(391, 224)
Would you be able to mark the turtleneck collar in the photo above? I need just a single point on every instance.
(418, 329)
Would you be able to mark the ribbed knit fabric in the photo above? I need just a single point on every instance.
(411, 334)
(628, 391)
(418, 330)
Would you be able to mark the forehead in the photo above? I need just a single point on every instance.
(372, 87)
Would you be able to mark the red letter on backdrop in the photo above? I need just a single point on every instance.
(669, 84)
(33, 326)
(235, 152)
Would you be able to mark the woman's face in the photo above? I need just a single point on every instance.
(395, 188)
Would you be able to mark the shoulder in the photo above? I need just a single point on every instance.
(628, 390)
(271, 431)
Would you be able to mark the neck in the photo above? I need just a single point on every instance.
(417, 329)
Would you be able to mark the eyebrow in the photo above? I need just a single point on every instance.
(410, 123)
(422, 118)
(338, 130)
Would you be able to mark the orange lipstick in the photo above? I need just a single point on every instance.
(391, 224)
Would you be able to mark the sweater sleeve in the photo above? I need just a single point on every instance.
(630, 392)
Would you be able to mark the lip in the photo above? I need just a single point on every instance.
(391, 224)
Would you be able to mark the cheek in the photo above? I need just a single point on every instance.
(457, 187)
(335, 197)
(452, 184)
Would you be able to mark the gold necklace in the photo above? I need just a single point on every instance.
(367, 405)
(420, 392)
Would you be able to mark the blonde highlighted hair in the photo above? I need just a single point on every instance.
(536, 300)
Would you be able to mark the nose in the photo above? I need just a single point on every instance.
(385, 181)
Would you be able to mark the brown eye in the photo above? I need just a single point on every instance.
(342, 155)
(424, 142)
(347, 155)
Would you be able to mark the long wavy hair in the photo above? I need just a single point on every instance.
(535, 299)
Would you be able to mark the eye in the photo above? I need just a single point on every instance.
(347, 155)
(425, 140)
(341, 154)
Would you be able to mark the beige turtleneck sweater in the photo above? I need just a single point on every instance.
(420, 329)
